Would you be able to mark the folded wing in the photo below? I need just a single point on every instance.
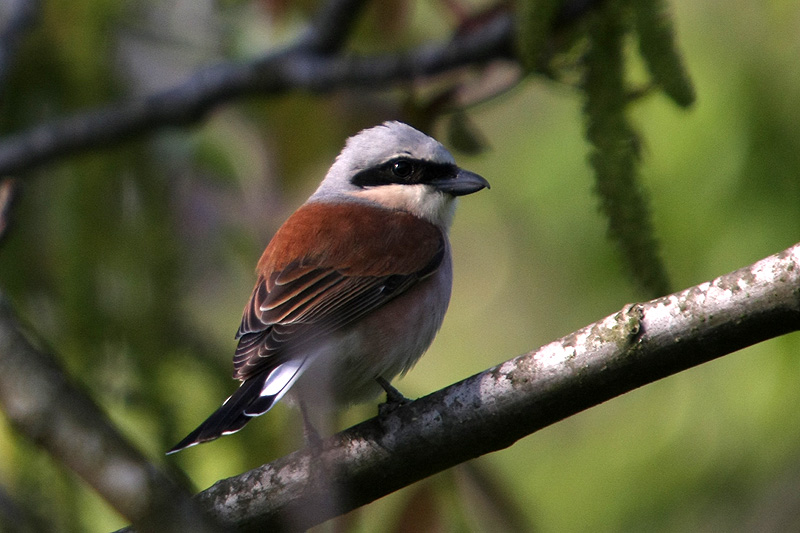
(323, 270)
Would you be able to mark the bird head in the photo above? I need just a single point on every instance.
(399, 167)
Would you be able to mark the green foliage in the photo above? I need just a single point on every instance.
(132, 264)
(534, 29)
(615, 153)
(657, 45)
(463, 136)
(615, 144)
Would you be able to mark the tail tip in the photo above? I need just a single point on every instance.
(182, 445)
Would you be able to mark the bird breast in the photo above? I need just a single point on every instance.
(385, 343)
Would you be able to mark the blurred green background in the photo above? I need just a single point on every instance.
(133, 263)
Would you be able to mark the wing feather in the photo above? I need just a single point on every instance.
(326, 267)
(332, 279)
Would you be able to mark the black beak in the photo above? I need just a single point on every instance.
(464, 182)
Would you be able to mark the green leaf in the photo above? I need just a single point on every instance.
(535, 21)
(464, 136)
(653, 25)
(615, 153)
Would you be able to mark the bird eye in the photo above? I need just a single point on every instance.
(402, 168)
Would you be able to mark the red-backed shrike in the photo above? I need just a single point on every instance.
(354, 286)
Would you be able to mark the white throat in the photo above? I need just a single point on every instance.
(420, 200)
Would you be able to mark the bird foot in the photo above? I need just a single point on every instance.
(394, 398)
(310, 434)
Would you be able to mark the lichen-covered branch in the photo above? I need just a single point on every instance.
(487, 412)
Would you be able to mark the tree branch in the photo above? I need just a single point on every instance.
(44, 406)
(17, 516)
(20, 16)
(332, 26)
(492, 410)
(305, 65)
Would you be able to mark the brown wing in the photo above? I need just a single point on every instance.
(327, 266)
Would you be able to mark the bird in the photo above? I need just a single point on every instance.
(354, 286)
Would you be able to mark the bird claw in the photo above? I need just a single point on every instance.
(310, 433)
(394, 398)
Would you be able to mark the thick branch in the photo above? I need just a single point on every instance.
(43, 405)
(490, 411)
(306, 65)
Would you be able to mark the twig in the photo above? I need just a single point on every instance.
(8, 195)
(331, 26)
(308, 64)
(21, 16)
(295, 68)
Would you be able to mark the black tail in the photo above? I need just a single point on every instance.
(231, 417)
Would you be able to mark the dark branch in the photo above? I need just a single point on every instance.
(299, 67)
(20, 16)
(332, 26)
(490, 411)
(44, 406)
(8, 195)
(17, 515)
